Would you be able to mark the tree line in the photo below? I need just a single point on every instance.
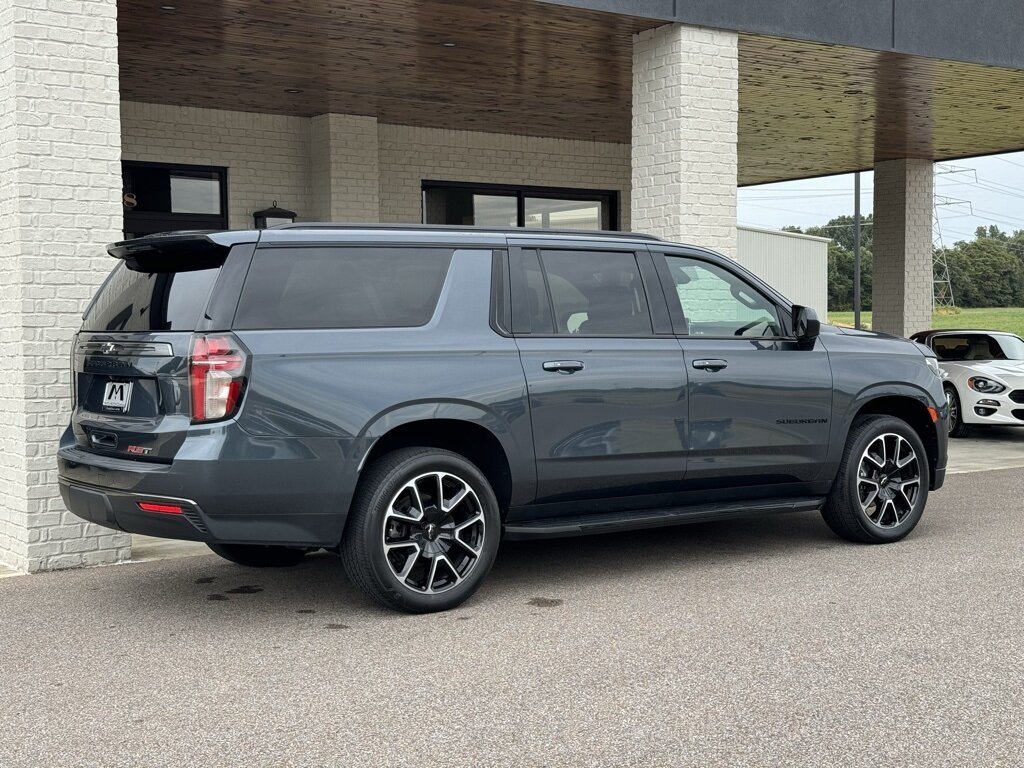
(987, 271)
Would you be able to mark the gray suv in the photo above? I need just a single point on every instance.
(409, 396)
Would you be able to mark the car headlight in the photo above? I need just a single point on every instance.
(981, 384)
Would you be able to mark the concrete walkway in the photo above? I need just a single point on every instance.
(987, 448)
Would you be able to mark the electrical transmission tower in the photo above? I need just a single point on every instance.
(942, 288)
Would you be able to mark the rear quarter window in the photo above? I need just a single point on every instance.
(342, 287)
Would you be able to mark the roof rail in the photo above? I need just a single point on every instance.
(464, 228)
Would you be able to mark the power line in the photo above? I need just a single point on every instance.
(1008, 161)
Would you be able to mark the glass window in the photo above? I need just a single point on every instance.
(978, 346)
(717, 303)
(151, 301)
(342, 287)
(535, 304)
(1012, 346)
(596, 293)
(494, 210)
(164, 198)
(169, 189)
(562, 214)
(496, 205)
(195, 193)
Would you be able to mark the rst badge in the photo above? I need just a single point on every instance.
(117, 396)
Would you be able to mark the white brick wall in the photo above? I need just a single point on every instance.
(901, 295)
(59, 205)
(410, 155)
(267, 156)
(685, 111)
(349, 168)
(344, 169)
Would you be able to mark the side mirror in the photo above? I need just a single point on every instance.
(806, 325)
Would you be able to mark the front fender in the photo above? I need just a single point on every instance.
(917, 392)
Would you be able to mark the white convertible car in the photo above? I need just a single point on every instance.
(985, 376)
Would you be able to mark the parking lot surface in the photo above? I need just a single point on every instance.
(987, 448)
(758, 642)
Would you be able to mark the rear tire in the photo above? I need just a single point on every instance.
(957, 427)
(259, 556)
(882, 487)
(423, 530)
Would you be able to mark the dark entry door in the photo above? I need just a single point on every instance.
(158, 197)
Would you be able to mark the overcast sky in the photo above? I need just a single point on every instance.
(969, 194)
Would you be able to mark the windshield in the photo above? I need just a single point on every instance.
(978, 347)
(1013, 347)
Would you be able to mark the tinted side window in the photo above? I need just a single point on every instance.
(342, 287)
(596, 293)
(717, 303)
(531, 308)
(151, 301)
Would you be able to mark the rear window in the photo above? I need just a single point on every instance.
(150, 301)
(346, 287)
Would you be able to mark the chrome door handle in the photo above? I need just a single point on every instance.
(710, 365)
(563, 366)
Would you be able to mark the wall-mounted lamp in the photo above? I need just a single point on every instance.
(272, 216)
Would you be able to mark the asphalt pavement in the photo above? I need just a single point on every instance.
(762, 642)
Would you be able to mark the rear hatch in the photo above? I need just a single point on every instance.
(130, 366)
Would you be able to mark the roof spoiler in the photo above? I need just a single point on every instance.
(178, 251)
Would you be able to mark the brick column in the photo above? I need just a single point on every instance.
(901, 294)
(344, 165)
(60, 192)
(685, 112)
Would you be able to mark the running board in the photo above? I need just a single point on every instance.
(607, 522)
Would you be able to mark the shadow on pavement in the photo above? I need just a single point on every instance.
(525, 570)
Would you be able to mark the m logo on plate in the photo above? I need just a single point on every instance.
(117, 395)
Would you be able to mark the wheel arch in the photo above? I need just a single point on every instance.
(470, 431)
(911, 406)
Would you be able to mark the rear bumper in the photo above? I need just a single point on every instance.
(233, 488)
(119, 510)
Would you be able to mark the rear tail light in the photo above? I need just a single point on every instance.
(74, 371)
(216, 372)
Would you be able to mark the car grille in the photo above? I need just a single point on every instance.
(1017, 395)
(1018, 413)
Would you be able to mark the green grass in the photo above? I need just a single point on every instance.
(984, 318)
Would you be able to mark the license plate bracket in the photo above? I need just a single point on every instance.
(117, 396)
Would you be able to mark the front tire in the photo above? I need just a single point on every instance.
(259, 556)
(957, 427)
(882, 486)
(423, 530)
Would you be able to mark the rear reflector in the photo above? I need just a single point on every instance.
(163, 509)
(934, 414)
